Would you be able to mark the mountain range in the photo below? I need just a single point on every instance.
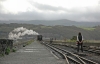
(64, 22)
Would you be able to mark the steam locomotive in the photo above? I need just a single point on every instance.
(39, 37)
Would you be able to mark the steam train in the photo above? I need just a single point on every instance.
(39, 37)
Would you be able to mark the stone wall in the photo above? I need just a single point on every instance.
(4, 44)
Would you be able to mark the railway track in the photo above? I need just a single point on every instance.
(93, 51)
(70, 57)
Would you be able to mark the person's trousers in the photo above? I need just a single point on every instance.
(78, 47)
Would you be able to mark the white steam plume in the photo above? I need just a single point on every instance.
(18, 32)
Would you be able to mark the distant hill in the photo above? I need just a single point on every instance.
(58, 31)
(64, 22)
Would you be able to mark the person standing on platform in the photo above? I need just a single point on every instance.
(79, 42)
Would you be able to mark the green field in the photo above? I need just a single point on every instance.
(88, 28)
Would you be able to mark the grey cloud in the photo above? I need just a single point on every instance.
(22, 16)
(47, 7)
(73, 14)
(94, 16)
(41, 16)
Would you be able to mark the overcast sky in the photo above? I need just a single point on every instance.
(77, 10)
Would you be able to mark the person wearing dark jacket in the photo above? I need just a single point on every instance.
(79, 42)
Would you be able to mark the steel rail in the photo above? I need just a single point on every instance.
(84, 60)
(73, 55)
(64, 55)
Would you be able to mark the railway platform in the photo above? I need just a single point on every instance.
(35, 53)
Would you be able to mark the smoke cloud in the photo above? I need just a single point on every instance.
(19, 32)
